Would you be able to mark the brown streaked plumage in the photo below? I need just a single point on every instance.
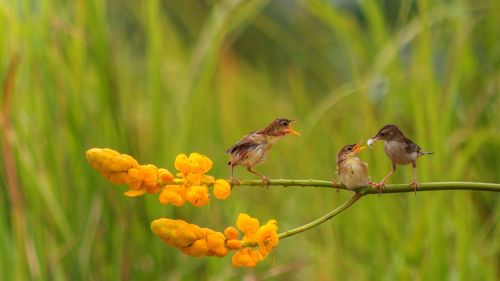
(400, 149)
(353, 172)
(253, 148)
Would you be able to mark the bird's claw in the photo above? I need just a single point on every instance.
(266, 181)
(380, 187)
(234, 182)
(335, 184)
(415, 186)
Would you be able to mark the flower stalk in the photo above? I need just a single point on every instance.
(390, 188)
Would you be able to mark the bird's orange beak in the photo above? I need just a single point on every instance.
(291, 131)
(358, 148)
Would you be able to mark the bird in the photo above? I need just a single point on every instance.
(253, 149)
(400, 149)
(353, 172)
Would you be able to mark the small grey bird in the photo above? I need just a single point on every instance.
(400, 149)
(353, 172)
(254, 148)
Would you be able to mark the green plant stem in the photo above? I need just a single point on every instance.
(321, 220)
(390, 188)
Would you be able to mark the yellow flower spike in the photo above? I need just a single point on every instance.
(247, 224)
(197, 195)
(108, 160)
(222, 189)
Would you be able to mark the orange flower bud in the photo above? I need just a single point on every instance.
(222, 189)
(231, 233)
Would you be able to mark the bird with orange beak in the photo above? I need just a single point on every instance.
(353, 172)
(400, 149)
(254, 148)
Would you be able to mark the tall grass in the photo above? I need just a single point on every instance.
(156, 78)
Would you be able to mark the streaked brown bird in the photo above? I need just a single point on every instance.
(353, 172)
(253, 148)
(400, 149)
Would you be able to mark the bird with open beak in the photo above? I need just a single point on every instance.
(353, 172)
(254, 148)
(400, 149)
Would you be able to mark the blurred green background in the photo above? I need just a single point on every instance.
(157, 78)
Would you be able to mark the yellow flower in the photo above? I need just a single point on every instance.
(268, 236)
(198, 249)
(234, 244)
(247, 224)
(173, 194)
(231, 232)
(216, 244)
(203, 163)
(197, 195)
(222, 189)
(195, 241)
(246, 257)
(165, 175)
(183, 164)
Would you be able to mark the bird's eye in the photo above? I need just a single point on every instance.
(284, 123)
(382, 134)
(349, 148)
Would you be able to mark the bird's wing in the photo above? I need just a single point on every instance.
(411, 147)
(246, 142)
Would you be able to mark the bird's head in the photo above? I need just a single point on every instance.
(350, 150)
(387, 133)
(279, 127)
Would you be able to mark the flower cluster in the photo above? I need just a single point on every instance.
(123, 169)
(194, 189)
(265, 236)
(193, 240)
(190, 187)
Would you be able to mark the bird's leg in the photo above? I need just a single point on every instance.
(415, 182)
(233, 180)
(264, 178)
(381, 184)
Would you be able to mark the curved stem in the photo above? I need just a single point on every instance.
(321, 220)
(391, 188)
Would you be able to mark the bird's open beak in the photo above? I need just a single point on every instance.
(291, 131)
(371, 141)
(358, 148)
